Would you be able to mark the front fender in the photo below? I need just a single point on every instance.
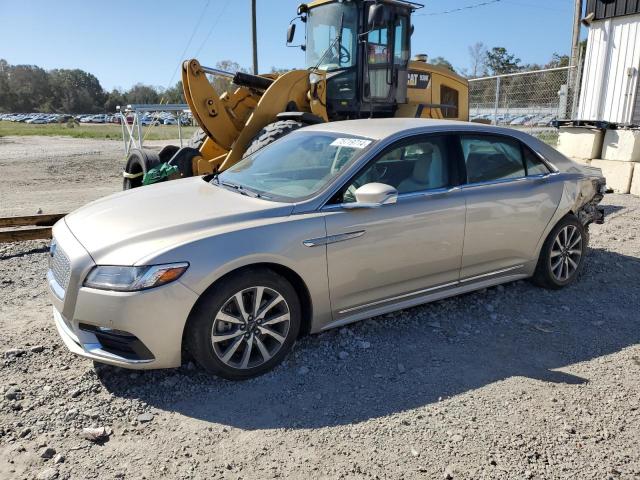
(276, 241)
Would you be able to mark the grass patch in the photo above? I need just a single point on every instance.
(99, 131)
(550, 138)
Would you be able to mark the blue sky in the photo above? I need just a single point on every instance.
(123, 42)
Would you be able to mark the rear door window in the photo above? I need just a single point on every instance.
(491, 158)
(534, 165)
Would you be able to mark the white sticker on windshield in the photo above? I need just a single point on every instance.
(350, 142)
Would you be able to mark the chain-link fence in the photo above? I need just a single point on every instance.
(525, 100)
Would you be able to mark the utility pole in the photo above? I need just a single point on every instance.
(575, 42)
(254, 37)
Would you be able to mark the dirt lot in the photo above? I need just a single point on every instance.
(58, 174)
(513, 382)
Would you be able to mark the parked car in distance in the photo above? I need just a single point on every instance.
(37, 121)
(146, 121)
(331, 224)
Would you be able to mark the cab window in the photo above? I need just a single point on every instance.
(449, 102)
(378, 47)
(401, 41)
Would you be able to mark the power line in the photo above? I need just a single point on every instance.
(193, 33)
(195, 29)
(213, 26)
(537, 6)
(459, 9)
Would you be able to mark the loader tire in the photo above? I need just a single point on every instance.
(197, 139)
(271, 133)
(139, 161)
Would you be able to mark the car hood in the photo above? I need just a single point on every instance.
(129, 226)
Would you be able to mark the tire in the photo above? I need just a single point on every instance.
(139, 162)
(271, 133)
(217, 315)
(167, 152)
(567, 244)
(197, 139)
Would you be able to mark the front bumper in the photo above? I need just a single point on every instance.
(140, 330)
(88, 345)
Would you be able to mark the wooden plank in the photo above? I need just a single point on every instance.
(40, 233)
(31, 220)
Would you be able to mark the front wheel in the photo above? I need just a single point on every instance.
(562, 255)
(245, 326)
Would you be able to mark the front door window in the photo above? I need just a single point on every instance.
(413, 167)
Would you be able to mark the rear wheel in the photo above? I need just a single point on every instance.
(562, 255)
(245, 326)
(271, 133)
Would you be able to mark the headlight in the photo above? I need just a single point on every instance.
(131, 279)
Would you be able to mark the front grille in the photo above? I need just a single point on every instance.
(60, 265)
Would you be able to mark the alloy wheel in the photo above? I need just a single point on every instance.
(251, 327)
(566, 252)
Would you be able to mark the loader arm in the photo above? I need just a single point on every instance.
(222, 117)
(232, 120)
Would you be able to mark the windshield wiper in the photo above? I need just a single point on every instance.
(243, 190)
(235, 187)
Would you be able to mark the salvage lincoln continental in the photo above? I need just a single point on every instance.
(331, 224)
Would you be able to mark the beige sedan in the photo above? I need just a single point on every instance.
(332, 224)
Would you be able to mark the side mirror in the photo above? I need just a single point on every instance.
(373, 195)
(376, 16)
(291, 31)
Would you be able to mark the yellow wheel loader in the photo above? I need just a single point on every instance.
(358, 66)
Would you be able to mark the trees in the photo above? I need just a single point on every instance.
(443, 62)
(75, 91)
(499, 61)
(6, 95)
(141, 93)
(174, 94)
(478, 64)
(223, 84)
(28, 86)
(115, 98)
(558, 60)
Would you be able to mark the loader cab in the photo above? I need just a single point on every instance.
(364, 48)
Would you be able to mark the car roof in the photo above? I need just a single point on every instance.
(379, 128)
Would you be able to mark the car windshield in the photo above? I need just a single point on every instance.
(323, 23)
(295, 167)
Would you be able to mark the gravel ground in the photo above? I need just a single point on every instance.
(512, 382)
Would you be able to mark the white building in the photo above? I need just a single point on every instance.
(610, 80)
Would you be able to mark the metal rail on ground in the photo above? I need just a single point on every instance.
(38, 227)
